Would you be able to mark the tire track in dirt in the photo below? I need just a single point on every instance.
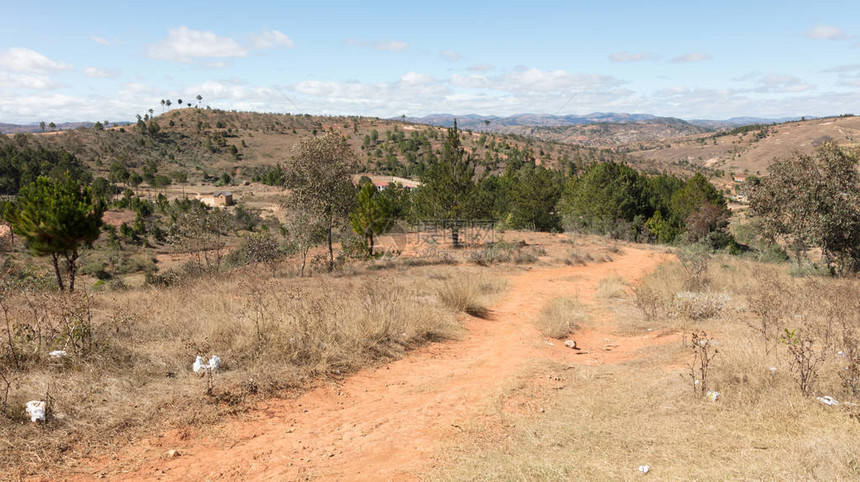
(384, 423)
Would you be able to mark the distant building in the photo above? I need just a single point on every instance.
(222, 198)
(382, 182)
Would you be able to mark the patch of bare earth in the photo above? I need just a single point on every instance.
(387, 422)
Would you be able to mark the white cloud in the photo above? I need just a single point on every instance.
(382, 45)
(828, 32)
(415, 78)
(100, 40)
(632, 56)
(18, 59)
(268, 39)
(184, 45)
(786, 84)
(841, 69)
(391, 46)
(97, 73)
(450, 55)
(691, 57)
(26, 81)
(536, 80)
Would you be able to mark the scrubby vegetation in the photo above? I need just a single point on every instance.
(323, 279)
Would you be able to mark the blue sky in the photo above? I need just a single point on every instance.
(111, 60)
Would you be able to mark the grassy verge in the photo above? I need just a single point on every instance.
(781, 343)
(129, 354)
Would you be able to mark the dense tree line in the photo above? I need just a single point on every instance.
(605, 198)
(22, 163)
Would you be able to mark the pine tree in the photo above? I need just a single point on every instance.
(449, 189)
(372, 215)
(55, 218)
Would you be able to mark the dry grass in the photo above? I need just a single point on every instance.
(608, 420)
(273, 335)
(560, 317)
(469, 294)
(612, 287)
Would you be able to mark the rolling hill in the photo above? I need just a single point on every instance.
(749, 149)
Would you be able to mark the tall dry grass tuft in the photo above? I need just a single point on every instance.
(560, 317)
(469, 294)
(612, 287)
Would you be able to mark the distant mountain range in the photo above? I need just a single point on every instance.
(35, 127)
(496, 123)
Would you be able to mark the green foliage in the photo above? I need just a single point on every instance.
(372, 215)
(449, 188)
(21, 164)
(55, 218)
(615, 199)
(533, 194)
(810, 201)
(270, 175)
(696, 192)
(605, 193)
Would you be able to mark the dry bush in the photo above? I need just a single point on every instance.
(698, 306)
(612, 287)
(577, 257)
(560, 317)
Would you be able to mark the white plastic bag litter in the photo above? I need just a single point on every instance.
(828, 400)
(36, 410)
(644, 469)
(713, 396)
(57, 354)
(200, 367)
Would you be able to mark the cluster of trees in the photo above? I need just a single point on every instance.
(805, 202)
(22, 163)
(617, 200)
(606, 198)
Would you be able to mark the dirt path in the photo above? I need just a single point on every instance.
(384, 423)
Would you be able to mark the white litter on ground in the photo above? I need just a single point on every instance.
(200, 367)
(644, 469)
(36, 410)
(713, 396)
(828, 400)
(57, 354)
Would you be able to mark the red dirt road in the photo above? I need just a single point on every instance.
(385, 423)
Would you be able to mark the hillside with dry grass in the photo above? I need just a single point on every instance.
(206, 143)
(608, 134)
(751, 149)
